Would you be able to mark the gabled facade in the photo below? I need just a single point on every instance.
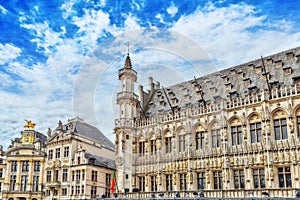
(232, 133)
(25, 159)
(80, 161)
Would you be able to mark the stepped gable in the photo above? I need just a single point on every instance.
(281, 69)
(100, 161)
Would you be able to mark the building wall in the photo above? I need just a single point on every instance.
(2, 169)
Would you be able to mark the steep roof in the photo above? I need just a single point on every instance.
(100, 161)
(281, 69)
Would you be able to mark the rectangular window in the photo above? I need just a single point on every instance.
(218, 180)
(153, 184)
(201, 180)
(25, 166)
(0, 186)
(48, 177)
(284, 177)
(298, 125)
(64, 192)
(259, 178)
(93, 191)
(77, 175)
(14, 166)
(153, 147)
(107, 183)
(94, 175)
(50, 154)
(56, 174)
(73, 175)
(82, 189)
(47, 193)
(83, 174)
(66, 152)
(24, 181)
(255, 132)
(36, 183)
(199, 140)
(57, 153)
(142, 183)
(77, 189)
(65, 175)
(182, 182)
(181, 143)
(12, 184)
(216, 138)
(55, 192)
(1, 173)
(168, 144)
(169, 182)
(142, 148)
(36, 166)
(236, 135)
(280, 129)
(239, 179)
(72, 190)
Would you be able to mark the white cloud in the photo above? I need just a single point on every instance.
(3, 10)
(172, 10)
(236, 34)
(8, 52)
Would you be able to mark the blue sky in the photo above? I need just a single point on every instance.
(59, 59)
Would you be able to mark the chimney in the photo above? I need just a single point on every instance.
(150, 84)
(141, 95)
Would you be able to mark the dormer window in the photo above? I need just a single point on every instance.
(287, 70)
(278, 64)
(258, 69)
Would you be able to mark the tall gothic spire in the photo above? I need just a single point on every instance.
(127, 64)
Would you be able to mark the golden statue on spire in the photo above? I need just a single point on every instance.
(29, 124)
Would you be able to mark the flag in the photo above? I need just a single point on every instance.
(112, 185)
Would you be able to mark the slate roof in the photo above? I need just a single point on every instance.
(100, 161)
(239, 80)
(78, 126)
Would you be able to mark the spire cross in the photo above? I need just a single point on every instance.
(127, 48)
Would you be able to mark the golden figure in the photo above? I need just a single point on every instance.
(29, 124)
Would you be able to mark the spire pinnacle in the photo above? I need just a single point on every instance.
(127, 64)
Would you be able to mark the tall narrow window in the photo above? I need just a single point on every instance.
(142, 148)
(216, 138)
(153, 184)
(66, 152)
(218, 180)
(182, 181)
(50, 154)
(37, 166)
(199, 140)
(201, 180)
(94, 175)
(25, 166)
(168, 144)
(181, 143)
(24, 181)
(14, 166)
(77, 175)
(65, 175)
(142, 183)
(57, 153)
(83, 175)
(153, 146)
(169, 182)
(236, 135)
(36, 183)
(48, 177)
(298, 125)
(255, 132)
(259, 178)
(93, 191)
(1, 173)
(56, 174)
(284, 177)
(107, 183)
(12, 183)
(239, 179)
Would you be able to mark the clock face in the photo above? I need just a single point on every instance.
(119, 160)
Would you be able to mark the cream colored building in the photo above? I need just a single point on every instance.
(2, 168)
(80, 161)
(232, 133)
(25, 159)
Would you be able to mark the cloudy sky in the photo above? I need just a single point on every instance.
(60, 58)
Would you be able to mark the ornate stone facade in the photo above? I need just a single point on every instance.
(233, 133)
(80, 161)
